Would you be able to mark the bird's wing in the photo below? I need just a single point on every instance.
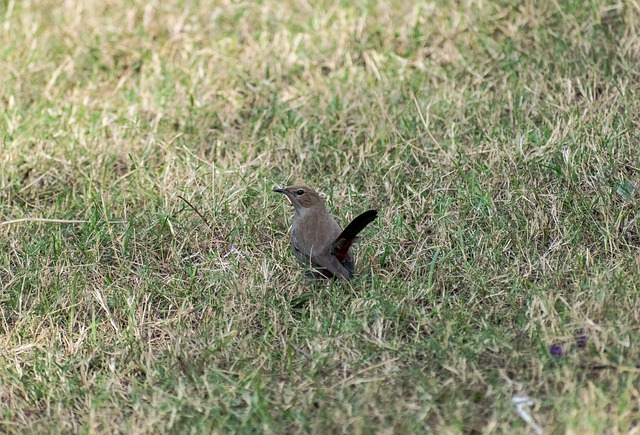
(332, 264)
(321, 259)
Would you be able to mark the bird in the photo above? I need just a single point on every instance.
(316, 238)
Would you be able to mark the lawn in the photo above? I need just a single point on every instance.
(498, 141)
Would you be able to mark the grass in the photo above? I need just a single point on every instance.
(497, 139)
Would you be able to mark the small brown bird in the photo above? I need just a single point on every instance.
(316, 238)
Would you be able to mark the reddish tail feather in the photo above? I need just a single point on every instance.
(340, 247)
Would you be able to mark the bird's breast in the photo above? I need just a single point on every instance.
(314, 231)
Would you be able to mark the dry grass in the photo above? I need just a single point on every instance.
(498, 140)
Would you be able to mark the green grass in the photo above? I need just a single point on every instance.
(497, 139)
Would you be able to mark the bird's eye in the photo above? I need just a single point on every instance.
(300, 192)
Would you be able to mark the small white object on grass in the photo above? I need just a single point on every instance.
(522, 403)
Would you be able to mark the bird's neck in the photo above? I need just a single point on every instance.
(302, 213)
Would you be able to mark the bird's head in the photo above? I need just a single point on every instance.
(301, 197)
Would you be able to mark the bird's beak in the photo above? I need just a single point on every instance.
(286, 193)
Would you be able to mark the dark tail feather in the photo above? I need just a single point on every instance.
(358, 224)
(344, 241)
